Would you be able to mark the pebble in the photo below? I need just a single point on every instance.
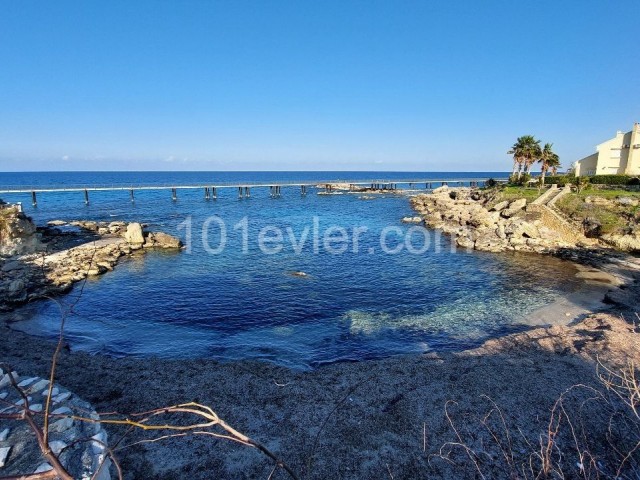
(62, 397)
(44, 467)
(57, 446)
(101, 440)
(61, 425)
(6, 380)
(4, 453)
(27, 382)
(36, 408)
(4, 434)
(62, 411)
(41, 385)
(54, 391)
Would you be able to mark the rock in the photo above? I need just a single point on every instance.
(16, 286)
(412, 220)
(61, 425)
(18, 234)
(442, 189)
(500, 206)
(529, 230)
(4, 453)
(56, 223)
(627, 202)
(628, 242)
(598, 201)
(514, 207)
(43, 467)
(592, 227)
(489, 242)
(162, 240)
(299, 274)
(103, 231)
(465, 242)
(134, 235)
(12, 265)
(93, 226)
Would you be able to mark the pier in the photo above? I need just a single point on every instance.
(244, 189)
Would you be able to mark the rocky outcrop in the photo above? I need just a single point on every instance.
(473, 223)
(628, 242)
(25, 278)
(17, 232)
(161, 240)
(133, 235)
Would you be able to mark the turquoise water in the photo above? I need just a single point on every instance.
(242, 303)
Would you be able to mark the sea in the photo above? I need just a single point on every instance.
(297, 280)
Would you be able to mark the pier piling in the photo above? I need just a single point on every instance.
(34, 200)
(214, 193)
(131, 195)
(86, 197)
(174, 194)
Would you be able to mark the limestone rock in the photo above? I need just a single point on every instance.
(514, 207)
(442, 189)
(133, 234)
(162, 240)
(500, 206)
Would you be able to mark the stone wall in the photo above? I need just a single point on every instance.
(80, 446)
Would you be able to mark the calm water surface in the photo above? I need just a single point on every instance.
(247, 305)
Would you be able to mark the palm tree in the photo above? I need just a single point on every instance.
(548, 160)
(526, 152)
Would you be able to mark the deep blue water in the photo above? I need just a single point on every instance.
(245, 304)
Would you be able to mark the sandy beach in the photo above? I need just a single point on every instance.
(376, 419)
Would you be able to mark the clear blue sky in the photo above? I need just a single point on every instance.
(301, 85)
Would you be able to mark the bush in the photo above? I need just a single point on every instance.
(560, 180)
(634, 181)
(522, 181)
(611, 179)
(490, 183)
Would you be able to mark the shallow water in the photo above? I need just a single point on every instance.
(249, 305)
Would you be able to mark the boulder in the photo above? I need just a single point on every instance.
(162, 240)
(592, 227)
(500, 206)
(514, 207)
(56, 223)
(133, 234)
(627, 202)
(529, 230)
(465, 242)
(442, 189)
(489, 242)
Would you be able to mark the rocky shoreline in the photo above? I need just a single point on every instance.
(475, 221)
(48, 261)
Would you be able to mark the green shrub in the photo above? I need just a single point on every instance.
(560, 180)
(522, 181)
(611, 179)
